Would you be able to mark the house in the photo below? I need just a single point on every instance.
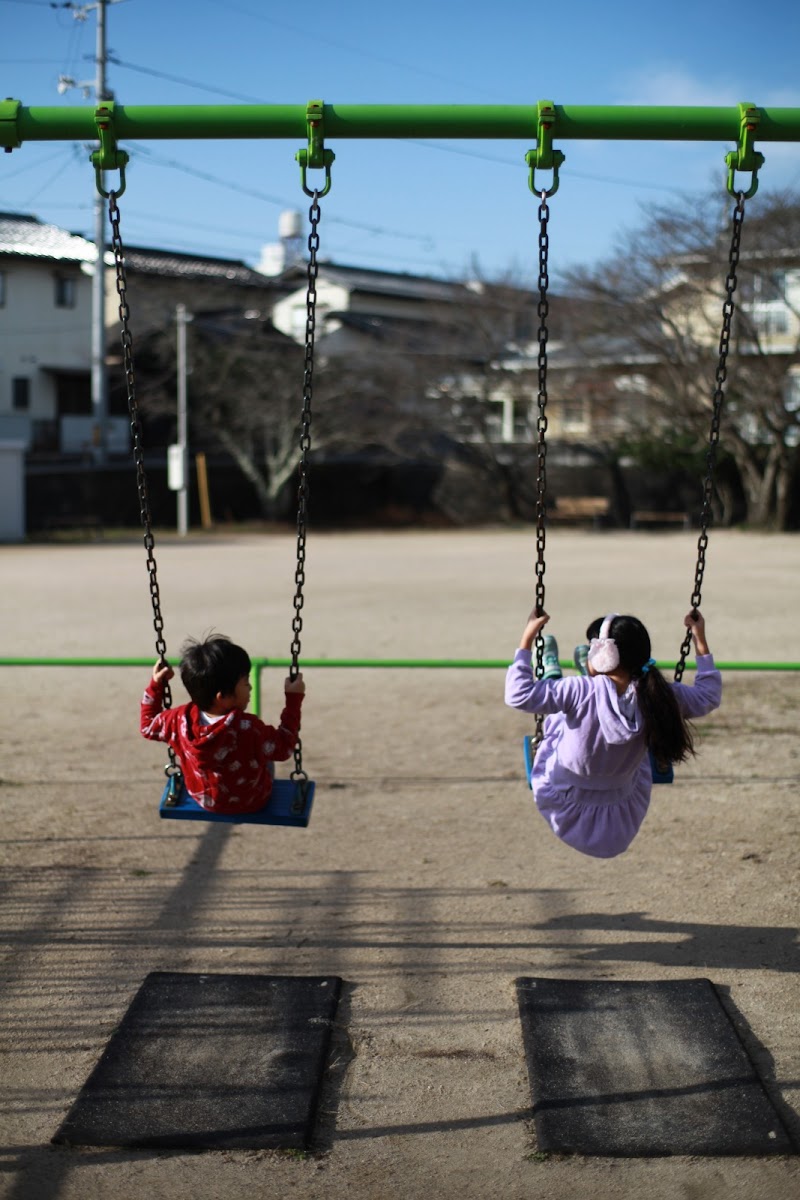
(46, 322)
(160, 280)
(371, 312)
(45, 327)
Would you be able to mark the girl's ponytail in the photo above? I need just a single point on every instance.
(667, 732)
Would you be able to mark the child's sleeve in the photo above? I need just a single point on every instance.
(532, 695)
(280, 741)
(705, 694)
(152, 715)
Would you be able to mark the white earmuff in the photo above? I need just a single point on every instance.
(603, 651)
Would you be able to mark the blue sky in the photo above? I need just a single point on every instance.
(407, 206)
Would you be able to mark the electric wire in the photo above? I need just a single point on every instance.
(282, 202)
(228, 6)
(47, 184)
(39, 162)
(204, 87)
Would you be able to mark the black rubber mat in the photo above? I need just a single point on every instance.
(211, 1061)
(640, 1069)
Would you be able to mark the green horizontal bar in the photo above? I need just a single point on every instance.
(383, 664)
(572, 122)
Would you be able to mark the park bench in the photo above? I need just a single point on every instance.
(650, 517)
(577, 509)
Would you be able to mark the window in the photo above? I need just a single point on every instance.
(21, 394)
(765, 296)
(766, 288)
(771, 319)
(792, 392)
(574, 417)
(66, 291)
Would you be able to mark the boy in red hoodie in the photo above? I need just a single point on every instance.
(224, 751)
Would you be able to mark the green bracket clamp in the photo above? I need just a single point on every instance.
(108, 157)
(316, 157)
(9, 112)
(745, 158)
(544, 157)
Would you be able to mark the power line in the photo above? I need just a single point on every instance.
(179, 79)
(33, 166)
(30, 199)
(517, 164)
(320, 38)
(282, 202)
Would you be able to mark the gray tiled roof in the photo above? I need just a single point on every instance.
(362, 279)
(193, 266)
(24, 235)
(28, 236)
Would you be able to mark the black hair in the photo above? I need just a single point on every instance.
(668, 734)
(214, 665)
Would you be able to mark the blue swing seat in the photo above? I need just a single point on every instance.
(289, 804)
(661, 774)
(528, 750)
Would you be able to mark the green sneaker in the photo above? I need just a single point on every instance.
(581, 659)
(552, 668)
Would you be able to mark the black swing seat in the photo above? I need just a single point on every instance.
(289, 804)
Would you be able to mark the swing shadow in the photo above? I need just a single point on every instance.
(398, 921)
(682, 944)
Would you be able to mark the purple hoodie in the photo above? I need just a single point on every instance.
(591, 777)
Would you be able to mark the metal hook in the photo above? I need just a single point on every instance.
(302, 158)
(544, 157)
(546, 193)
(315, 156)
(746, 158)
(108, 157)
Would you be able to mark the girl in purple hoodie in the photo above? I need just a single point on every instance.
(591, 775)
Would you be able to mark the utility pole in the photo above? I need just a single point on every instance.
(181, 451)
(99, 373)
(98, 354)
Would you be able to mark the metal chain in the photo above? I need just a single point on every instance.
(541, 430)
(314, 215)
(706, 515)
(138, 452)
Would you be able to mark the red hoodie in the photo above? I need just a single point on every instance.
(224, 764)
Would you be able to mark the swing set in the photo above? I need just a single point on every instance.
(291, 799)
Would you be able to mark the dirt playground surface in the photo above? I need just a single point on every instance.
(426, 879)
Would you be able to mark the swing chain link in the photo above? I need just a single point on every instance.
(314, 214)
(541, 443)
(138, 450)
(706, 514)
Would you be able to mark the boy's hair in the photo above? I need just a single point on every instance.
(214, 665)
(667, 732)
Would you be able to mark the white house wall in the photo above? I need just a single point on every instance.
(35, 334)
(289, 314)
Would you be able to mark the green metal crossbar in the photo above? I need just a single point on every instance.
(382, 664)
(19, 123)
(316, 121)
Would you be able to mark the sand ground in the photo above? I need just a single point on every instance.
(426, 879)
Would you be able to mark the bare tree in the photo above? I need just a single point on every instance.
(246, 396)
(659, 300)
(484, 400)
